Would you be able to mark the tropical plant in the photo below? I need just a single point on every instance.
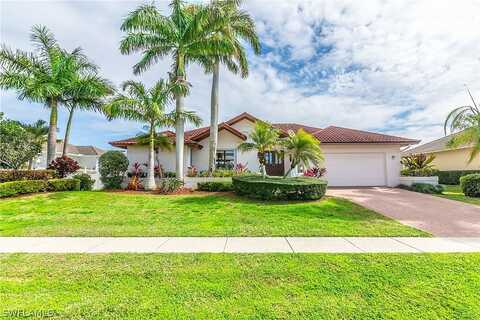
(186, 34)
(233, 25)
(315, 172)
(39, 131)
(49, 75)
(303, 148)
(169, 185)
(192, 171)
(112, 167)
(147, 105)
(64, 166)
(418, 161)
(464, 121)
(263, 138)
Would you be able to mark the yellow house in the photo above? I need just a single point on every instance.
(447, 159)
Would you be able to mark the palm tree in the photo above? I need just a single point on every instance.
(44, 76)
(234, 25)
(146, 105)
(263, 138)
(465, 121)
(186, 35)
(39, 131)
(303, 149)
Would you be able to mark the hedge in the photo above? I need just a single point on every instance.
(470, 185)
(215, 186)
(453, 176)
(424, 188)
(425, 172)
(270, 188)
(11, 188)
(16, 175)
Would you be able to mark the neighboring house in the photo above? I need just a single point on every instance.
(86, 156)
(352, 157)
(447, 158)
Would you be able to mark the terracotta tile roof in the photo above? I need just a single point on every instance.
(334, 134)
(202, 133)
(285, 127)
(132, 141)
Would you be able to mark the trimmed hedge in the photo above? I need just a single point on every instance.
(86, 182)
(17, 175)
(424, 188)
(426, 172)
(300, 188)
(453, 176)
(215, 186)
(11, 188)
(470, 185)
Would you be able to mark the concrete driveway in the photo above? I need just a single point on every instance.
(438, 216)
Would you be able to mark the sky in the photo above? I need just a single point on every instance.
(389, 66)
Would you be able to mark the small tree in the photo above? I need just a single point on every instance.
(264, 138)
(303, 148)
(112, 168)
(64, 166)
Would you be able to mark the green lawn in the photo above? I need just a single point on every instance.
(231, 286)
(455, 193)
(122, 214)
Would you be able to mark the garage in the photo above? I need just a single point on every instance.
(356, 169)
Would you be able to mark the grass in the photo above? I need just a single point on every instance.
(453, 192)
(122, 214)
(223, 286)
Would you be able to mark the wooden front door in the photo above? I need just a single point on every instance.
(275, 164)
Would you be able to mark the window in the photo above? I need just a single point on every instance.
(225, 159)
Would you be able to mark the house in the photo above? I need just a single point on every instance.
(352, 157)
(447, 158)
(86, 156)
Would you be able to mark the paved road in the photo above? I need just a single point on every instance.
(438, 216)
(236, 244)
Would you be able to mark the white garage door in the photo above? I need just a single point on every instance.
(355, 169)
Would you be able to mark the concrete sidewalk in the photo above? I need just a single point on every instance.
(236, 244)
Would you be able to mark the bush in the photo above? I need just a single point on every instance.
(300, 188)
(215, 186)
(470, 185)
(424, 188)
(315, 172)
(112, 168)
(453, 176)
(169, 185)
(86, 182)
(12, 188)
(426, 172)
(17, 175)
(64, 166)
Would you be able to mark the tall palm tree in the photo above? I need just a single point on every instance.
(303, 149)
(263, 138)
(39, 131)
(43, 76)
(465, 122)
(146, 105)
(186, 34)
(234, 25)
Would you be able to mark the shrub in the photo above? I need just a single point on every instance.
(169, 174)
(169, 185)
(418, 161)
(470, 185)
(17, 175)
(453, 176)
(64, 166)
(426, 172)
(300, 188)
(315, 172)
(215, 186)
(112, 168)
(424, 188)
(86, 182)
(192, 171)
(226, 173)
(12, 188)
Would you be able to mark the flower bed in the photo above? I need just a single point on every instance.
(270, 188)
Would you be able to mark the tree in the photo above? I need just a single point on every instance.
(234, 25)
(148, 106)
(465, 122)
(187, 34)
(64, 166)
(112, 166)
(45, 76)
(17, 145)
(264, 138)
(303, 149)
(39, 131)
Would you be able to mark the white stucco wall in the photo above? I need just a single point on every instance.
(165, 158)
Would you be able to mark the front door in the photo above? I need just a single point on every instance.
(275, 164)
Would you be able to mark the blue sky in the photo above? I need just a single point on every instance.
(396, 67)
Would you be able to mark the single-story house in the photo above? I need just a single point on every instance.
(352, 157)
(447, 158)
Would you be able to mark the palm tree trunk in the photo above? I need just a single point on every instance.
(214, 119)
(67, 132)
(150, 183)
(179, 137)
(52, 131)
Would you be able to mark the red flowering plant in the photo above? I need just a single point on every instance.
(240, 168)
(315, 172)
(64, 166)
(135, 183)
